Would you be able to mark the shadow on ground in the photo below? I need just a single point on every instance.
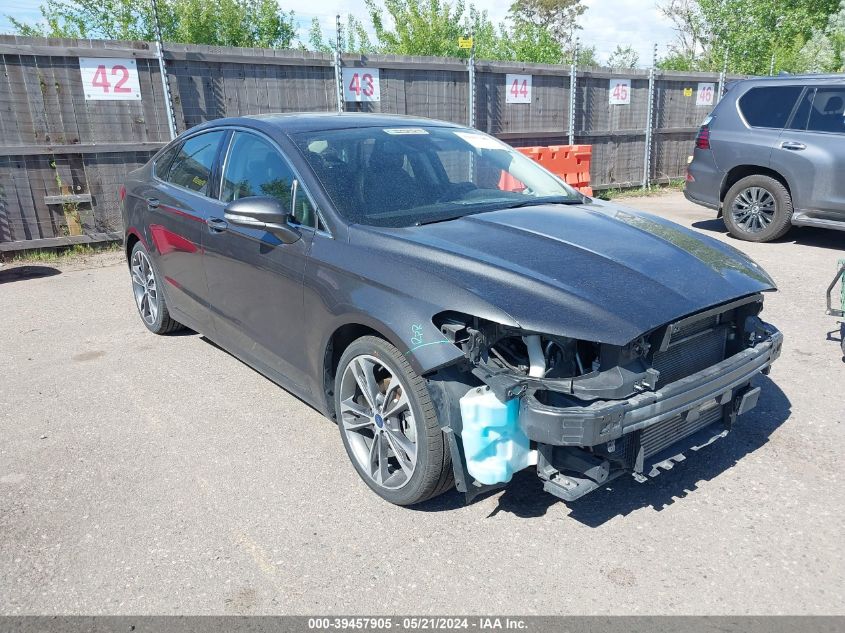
(21, 273)
(806, 235)
(525, 497)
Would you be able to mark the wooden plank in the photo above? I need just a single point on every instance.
(64, 240)
(74, 51)
(81, 148)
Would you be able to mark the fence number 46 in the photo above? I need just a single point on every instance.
(620, 92)
(518, 88)
(361, 84)
(109, 79)
(704, 96)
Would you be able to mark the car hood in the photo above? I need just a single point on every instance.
(593, 271)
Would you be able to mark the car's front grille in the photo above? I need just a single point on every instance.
(694, 345)
(663, 434)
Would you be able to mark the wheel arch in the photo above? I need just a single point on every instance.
(735, 174)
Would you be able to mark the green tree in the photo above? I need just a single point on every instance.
(750, 32)
(250, 23)
(558, 17)
(623, 57)
(824, 51)
(353, 37)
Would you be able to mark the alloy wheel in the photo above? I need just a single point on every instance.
(753, 209)
(377, 420)
(144, 287)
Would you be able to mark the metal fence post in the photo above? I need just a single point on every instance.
(471, 80)
(722, 75)
(573, 89)
(649, 124)
(338, 69)
(165, 84)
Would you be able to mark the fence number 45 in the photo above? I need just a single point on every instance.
(620, 92)
(518, 88)
(109, 79)
(361, 84)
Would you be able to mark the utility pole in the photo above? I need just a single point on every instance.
(649, 124)
(338, 68)
(165, 84)
(723, 74)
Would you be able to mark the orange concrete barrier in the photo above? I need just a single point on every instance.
(570, 162)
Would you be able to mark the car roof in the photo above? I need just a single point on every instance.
(809, 78)
(318, 121)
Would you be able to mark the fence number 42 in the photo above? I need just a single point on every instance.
(518, 88)
(620, 92)
(109, 79)
(361, 84)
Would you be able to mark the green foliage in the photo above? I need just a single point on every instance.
(750, 32)
(250, 23)
(353, 37)
(557, 17)
(623, 57)
(824, 51)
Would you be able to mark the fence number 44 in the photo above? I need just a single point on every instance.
(361, 84)
(109, 79)
(704, 96)
(620, 92)
(518, 88)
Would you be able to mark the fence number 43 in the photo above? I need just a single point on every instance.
(518, 88)
(620, 92)
(109, 79)
(361, 84)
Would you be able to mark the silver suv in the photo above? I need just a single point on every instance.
(772, 155)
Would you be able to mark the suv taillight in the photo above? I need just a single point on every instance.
(702, 140)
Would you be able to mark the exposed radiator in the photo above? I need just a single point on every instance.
(658, 436)
(693, 347)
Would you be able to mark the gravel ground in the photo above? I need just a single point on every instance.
(159, 475)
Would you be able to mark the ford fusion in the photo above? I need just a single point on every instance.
(460, 312)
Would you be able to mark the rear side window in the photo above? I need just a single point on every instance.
(828, 111)
(162, 166)
(191, 167)
(768, 106)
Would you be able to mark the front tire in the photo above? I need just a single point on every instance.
(149, 299)
(389, 424)
(758, 209)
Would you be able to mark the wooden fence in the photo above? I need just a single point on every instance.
(62, 157)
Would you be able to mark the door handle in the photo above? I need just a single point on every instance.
(216, 225)
(793, 145)
(152, 203)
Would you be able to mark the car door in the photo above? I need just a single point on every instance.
(254, 279)
(811, 152)
(179, 201)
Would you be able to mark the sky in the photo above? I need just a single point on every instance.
(605, 24)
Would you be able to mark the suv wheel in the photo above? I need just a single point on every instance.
(757, 209)
(389, 425)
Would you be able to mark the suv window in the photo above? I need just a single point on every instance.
(255, 168)
(768, 106)
(828, 111)
(191, 168)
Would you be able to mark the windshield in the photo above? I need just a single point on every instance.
(405, 176)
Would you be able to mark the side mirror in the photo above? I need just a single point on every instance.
(262, 212)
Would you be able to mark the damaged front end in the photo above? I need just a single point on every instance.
(586, 412)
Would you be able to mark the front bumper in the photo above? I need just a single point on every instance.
(604, 421)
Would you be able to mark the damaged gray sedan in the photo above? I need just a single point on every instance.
(460, 312)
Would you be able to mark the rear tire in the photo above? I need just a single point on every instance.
(757, 209)
(147, 290)
(388, 424)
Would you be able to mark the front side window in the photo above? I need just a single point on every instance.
(255, 168)
(191, 168)
(828, 111)
(404, 176)
(768, 106)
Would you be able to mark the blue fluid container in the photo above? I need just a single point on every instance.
(494, 443)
